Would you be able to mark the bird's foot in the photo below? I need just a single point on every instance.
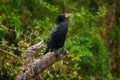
(56, 53)
(63, 51)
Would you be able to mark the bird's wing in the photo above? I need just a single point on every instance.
(54, 32)
(52, 35)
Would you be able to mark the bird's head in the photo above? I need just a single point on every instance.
(62, 17)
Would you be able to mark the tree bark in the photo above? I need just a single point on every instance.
(31, 68)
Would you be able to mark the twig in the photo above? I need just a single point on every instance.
(9, 53)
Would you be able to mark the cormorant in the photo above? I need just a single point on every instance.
(57, 36)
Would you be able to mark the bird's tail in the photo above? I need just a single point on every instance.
(47, 50)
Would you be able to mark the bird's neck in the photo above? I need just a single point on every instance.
(58, 22)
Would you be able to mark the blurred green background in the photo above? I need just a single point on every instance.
(93, 39)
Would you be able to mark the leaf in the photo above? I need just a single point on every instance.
(18, 3)
(17, 23)
(7, 8)
(17, 26)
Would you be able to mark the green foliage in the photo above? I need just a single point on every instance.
(26, 22)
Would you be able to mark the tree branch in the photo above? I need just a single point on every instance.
(36, 67)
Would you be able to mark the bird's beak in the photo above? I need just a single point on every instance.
(68, 14)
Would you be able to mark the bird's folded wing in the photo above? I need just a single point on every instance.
(52, 35)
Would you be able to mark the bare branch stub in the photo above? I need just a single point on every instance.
(29, 53)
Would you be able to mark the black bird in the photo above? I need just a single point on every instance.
(57, 36)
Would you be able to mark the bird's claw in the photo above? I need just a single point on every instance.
(63, 51)
(56, 54)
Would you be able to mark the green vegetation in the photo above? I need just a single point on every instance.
(93, 39)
